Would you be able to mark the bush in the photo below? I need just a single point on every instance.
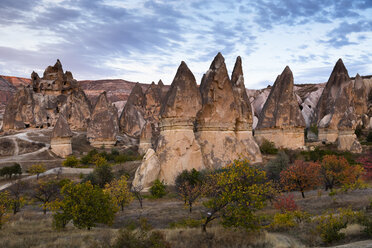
(158, 189)
(287, 220)
(140, 239)
(285, 203)
(330, 224)
(268, 147)
(71, 161)
(314, 129)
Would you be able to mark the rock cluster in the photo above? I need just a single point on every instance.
(61, 138)
(335, 114)
(104, 125)
(39, 104)
(280, 119)
(201, 128)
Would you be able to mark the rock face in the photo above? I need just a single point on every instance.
(132, 119)
(281, 120)
(177, 148)
(335, 108)
(361, 102)
(39, 104)
(61, 138)
(223, 121)
(104, 126)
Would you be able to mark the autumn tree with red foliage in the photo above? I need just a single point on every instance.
(336, 170)
(366, 162)
(301, 176)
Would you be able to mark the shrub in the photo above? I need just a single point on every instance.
(71, 161)
(330, 224)
(285, 203)
(314, 129)
(366, 162)
(268, 147)
(287, 220)
(140, 239)
(100, 176)
(158, 189)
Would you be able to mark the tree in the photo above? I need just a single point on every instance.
(189, 185)
(157, 190)
(136, 190)
(300, 176)
(235, 193)
(337, 171)
(9, 171)
(84, 204)
(119, 191)
(276, 166)
(71, 161)
(36, 169)
(5, 206)
(46, 192)
(16, 195)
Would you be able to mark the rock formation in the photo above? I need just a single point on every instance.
(104, 125)
(132, 119)
(281, 120)
(216, 122)
(39, 104)
(61, 138)
(146, 138)
(335, 113)
(177, 148)
(361, 102)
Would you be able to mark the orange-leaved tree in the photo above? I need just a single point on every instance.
(336, 170)
(301, 176)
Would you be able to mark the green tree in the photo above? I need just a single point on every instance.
(37, 169)
(9, 171)
(16, 195)
(275, 166)
(158, 189)
(235, 193)
(189, 185)
(46, 192)
(71, 161)
(118, 189)
(5, 206)
(84, 204)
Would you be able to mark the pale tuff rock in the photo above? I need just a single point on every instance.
(145, 138)
(361, 102)
(132, 119)
(347, 141)
(61, 138)
(281, 120)
(103, 127)
(218, 134)
(39, 105)
(147, 172)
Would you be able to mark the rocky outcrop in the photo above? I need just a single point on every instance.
(146, 137)
(39, 104)
(177, 148)
(104, 125)
(61, 138)
(281, 120)
(361, 102)
(148, 171)
(218, 134)
(132, 119)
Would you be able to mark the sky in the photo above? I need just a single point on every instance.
(146, 40)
